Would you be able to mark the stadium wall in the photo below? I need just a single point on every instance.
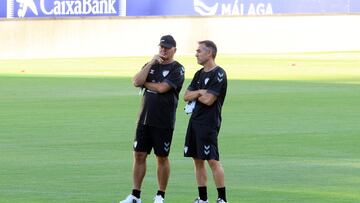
(134, 36)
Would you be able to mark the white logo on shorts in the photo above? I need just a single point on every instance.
(207, 149)
(135, 144)
(167, 146)
(186, 149)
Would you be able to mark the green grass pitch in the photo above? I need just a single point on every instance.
(290, 133)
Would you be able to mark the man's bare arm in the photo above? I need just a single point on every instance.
(207, 98)
(191, 95)
(201, 95)
(161, 87)
(140, 78)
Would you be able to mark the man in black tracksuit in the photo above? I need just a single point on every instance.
(161, 79)
(207, 93)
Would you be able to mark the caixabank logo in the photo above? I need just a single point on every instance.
(64, 8)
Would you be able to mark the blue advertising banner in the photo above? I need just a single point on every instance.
(79, 8)
(238, 7)
(63, 8)
(2, 9)
(354, 6)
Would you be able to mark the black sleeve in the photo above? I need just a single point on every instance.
(218, 83)
(176, 77)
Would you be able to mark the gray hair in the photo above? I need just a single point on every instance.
(211, 46)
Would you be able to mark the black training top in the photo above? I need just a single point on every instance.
(159, 110)
(215, 82)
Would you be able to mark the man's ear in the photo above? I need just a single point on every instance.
(209, 53)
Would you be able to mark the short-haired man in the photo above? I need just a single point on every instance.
(206, 94)
(162, 79)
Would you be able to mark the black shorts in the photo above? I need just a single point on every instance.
(201, 141)
(148, 137)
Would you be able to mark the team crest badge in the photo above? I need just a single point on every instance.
(206, 80)
(165, 73)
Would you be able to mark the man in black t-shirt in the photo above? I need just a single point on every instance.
(161, 79)
(205, 96)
